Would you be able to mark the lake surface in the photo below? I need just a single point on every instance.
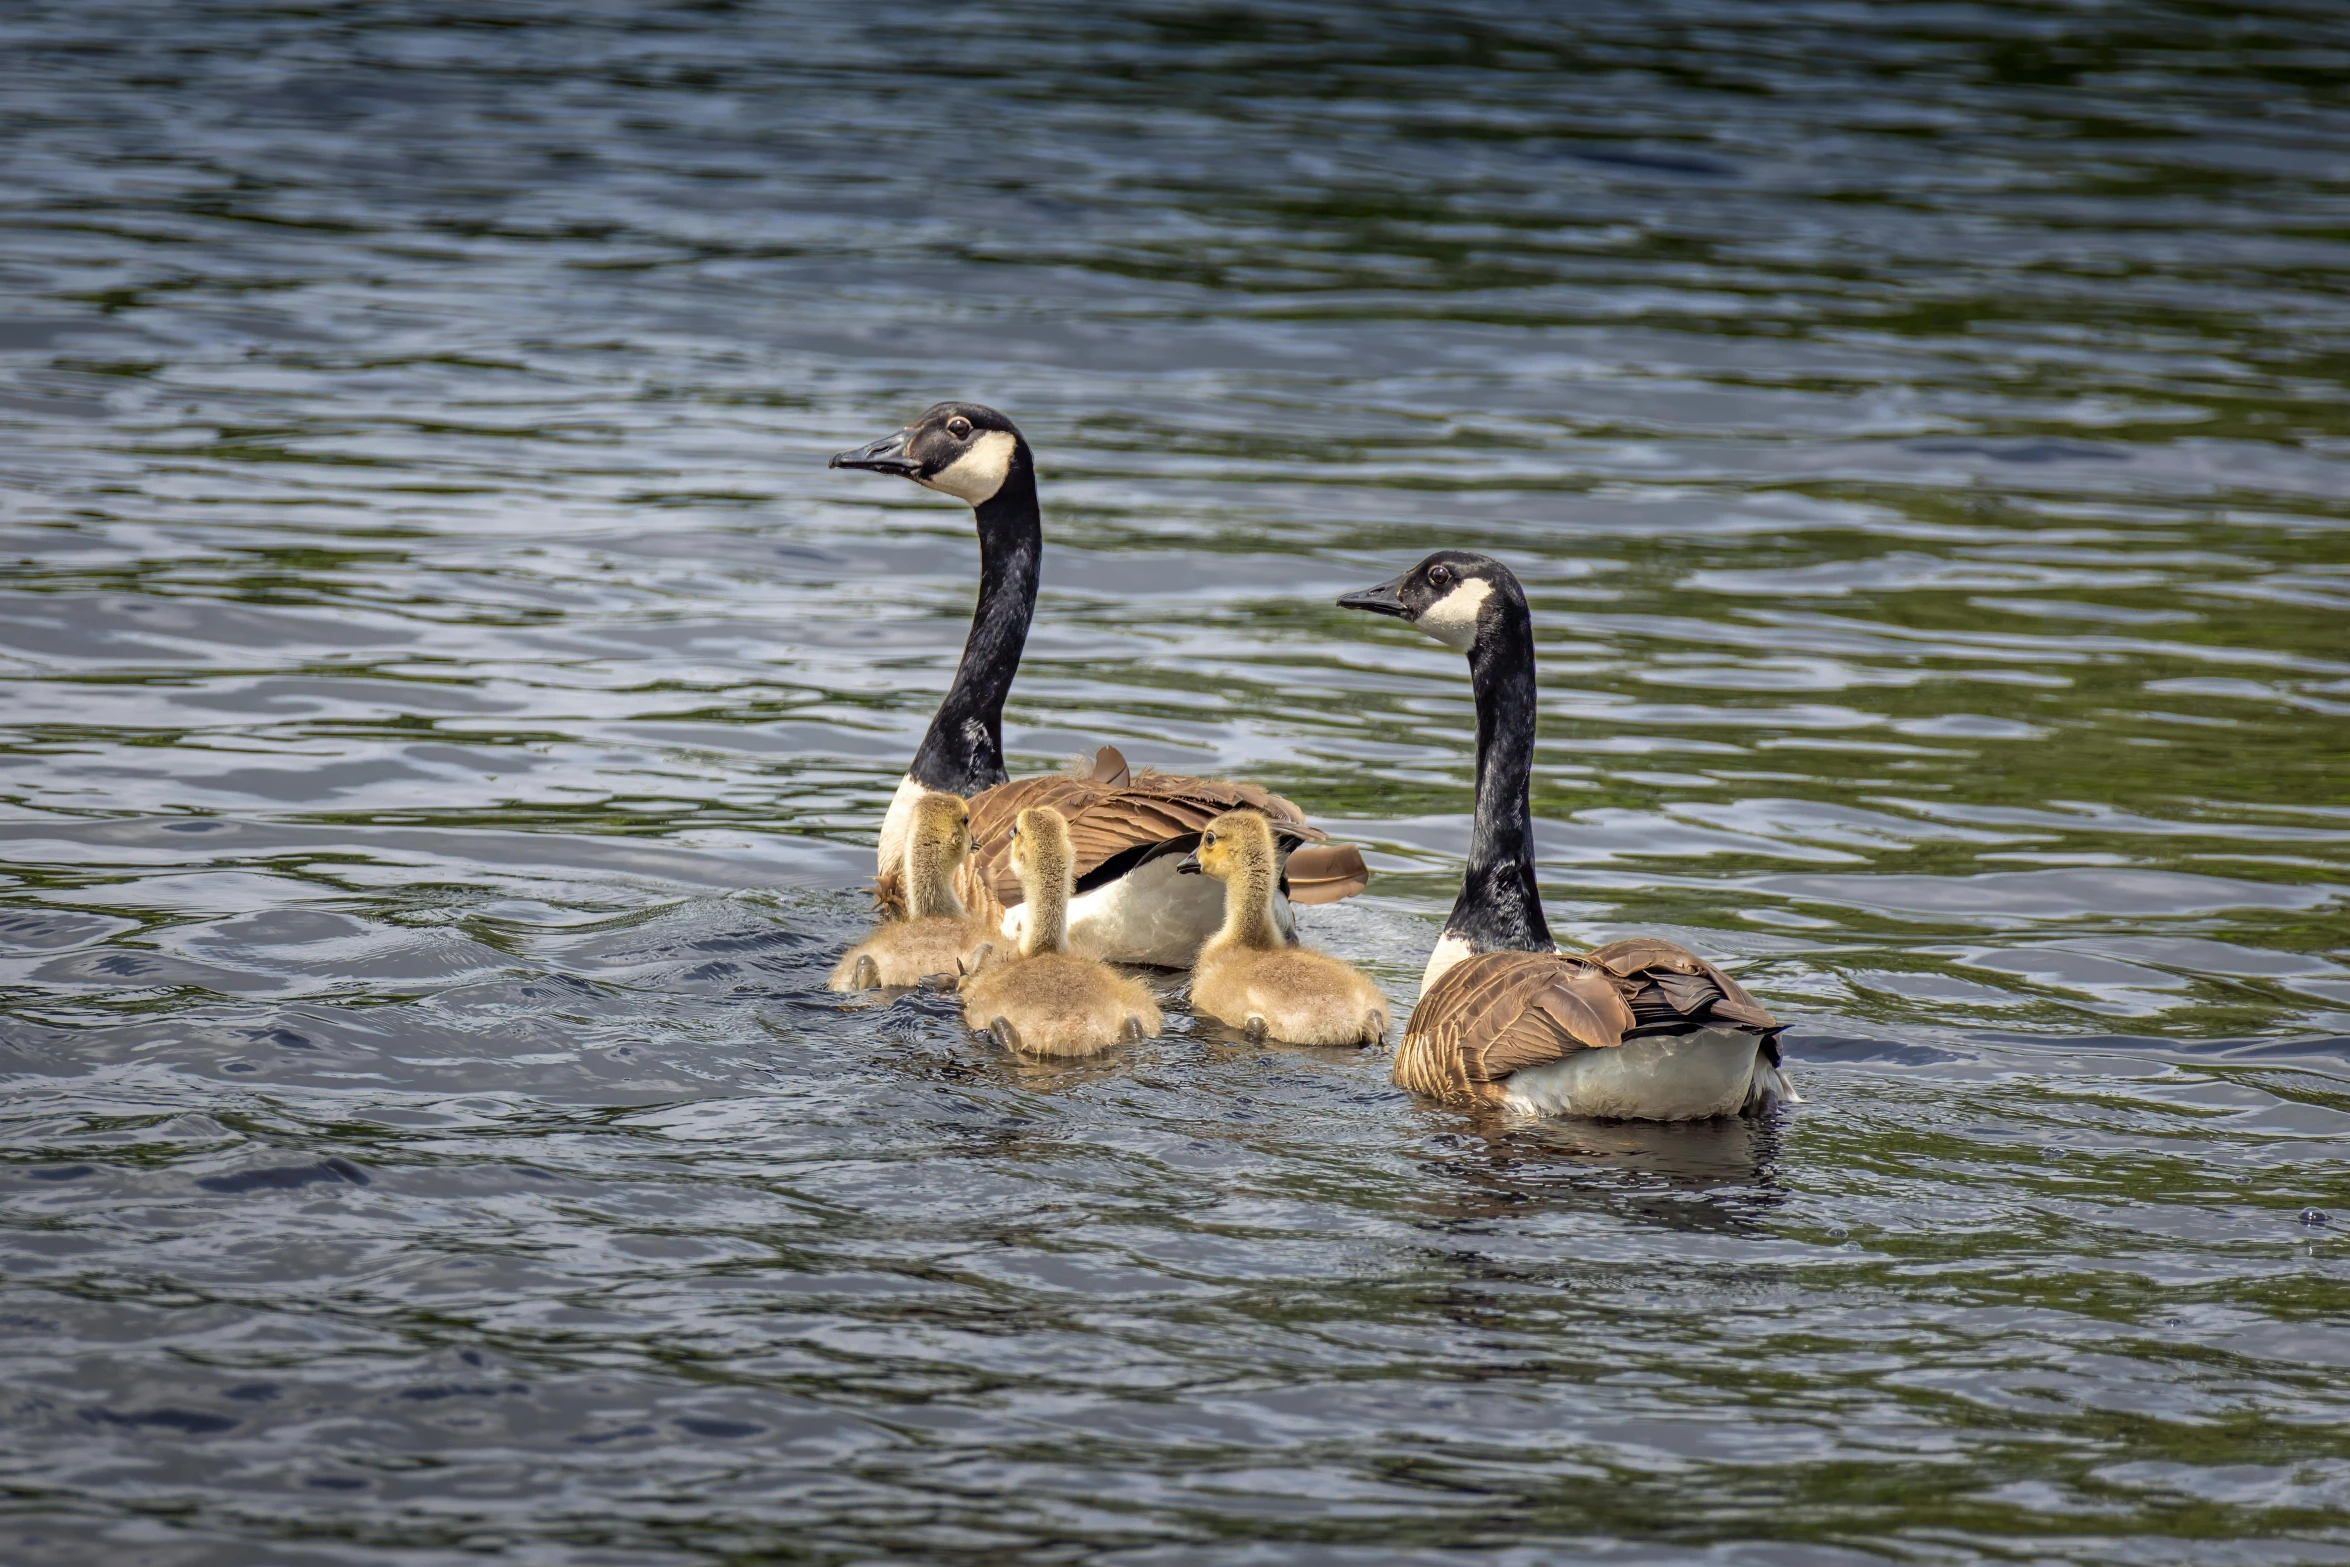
(448, 704)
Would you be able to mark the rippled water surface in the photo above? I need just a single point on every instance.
(448, 703)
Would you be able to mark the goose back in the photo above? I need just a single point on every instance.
(1494, 1014)
(1117, 819)
(1670, 988)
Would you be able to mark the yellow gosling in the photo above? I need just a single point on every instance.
(937, 937)
(1247, 977)
(1048, 1000)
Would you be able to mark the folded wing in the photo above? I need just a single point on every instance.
(1671, 989)
(1498, 1013)
(1325, 872)
(1118, 819)
(1112, 811)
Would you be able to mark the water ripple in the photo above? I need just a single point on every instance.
(449, 703)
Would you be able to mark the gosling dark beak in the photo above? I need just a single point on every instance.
(1188, 865)
(1385, 599)
(887, 455)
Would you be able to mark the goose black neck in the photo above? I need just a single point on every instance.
(964, 751)
(1500, 906)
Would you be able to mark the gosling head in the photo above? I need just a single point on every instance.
(1456, 596)
(942, 827)
(1040, 847)
(943, 821)
(961, 449)
(938, 840)
(1230, 847)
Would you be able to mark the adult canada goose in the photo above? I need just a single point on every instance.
(1127, 829)
(937, 936)
(1048, 1000)
(1248, 977)
(1635, 1030)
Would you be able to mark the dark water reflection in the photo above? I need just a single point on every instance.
(448, 704)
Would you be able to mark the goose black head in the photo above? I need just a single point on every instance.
(960, 449)
(1455, 596)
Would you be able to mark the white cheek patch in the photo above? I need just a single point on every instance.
(978, 473)
(1452, 619)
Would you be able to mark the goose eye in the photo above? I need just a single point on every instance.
(1208, 842)
(1439, 574)
(958, 427)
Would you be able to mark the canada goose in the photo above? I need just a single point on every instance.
(1049, 1000)
(1635, 1030)
(1127, 829)
(937, 932)
(1248, 977)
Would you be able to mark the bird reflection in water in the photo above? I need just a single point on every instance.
(1718, 1176)
(1483, 1164)
(1222, 1046)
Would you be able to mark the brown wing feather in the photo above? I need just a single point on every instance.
(1109, 767)
(1629, 957)
(1326, 872)
(1687, 993)
(1110, 811)
(978, 895)
(1586, 1005)
(1500, 1012)
(889, 894)
(1661, 975)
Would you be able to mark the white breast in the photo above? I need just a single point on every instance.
(1450, 949)
(889, 852)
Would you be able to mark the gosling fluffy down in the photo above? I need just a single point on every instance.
(1248, 977)
(937, 937)
(1048, 1000)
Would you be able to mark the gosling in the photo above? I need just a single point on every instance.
(1247, 977)
(1048, 1000)
(938, 939)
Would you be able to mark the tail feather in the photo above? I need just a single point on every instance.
(1325, 872)
(1109, 767)
(1772, 1087)
(889, 894)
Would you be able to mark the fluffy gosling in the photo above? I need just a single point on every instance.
(937, 932)
(1247, 977)
(1048, 1000)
